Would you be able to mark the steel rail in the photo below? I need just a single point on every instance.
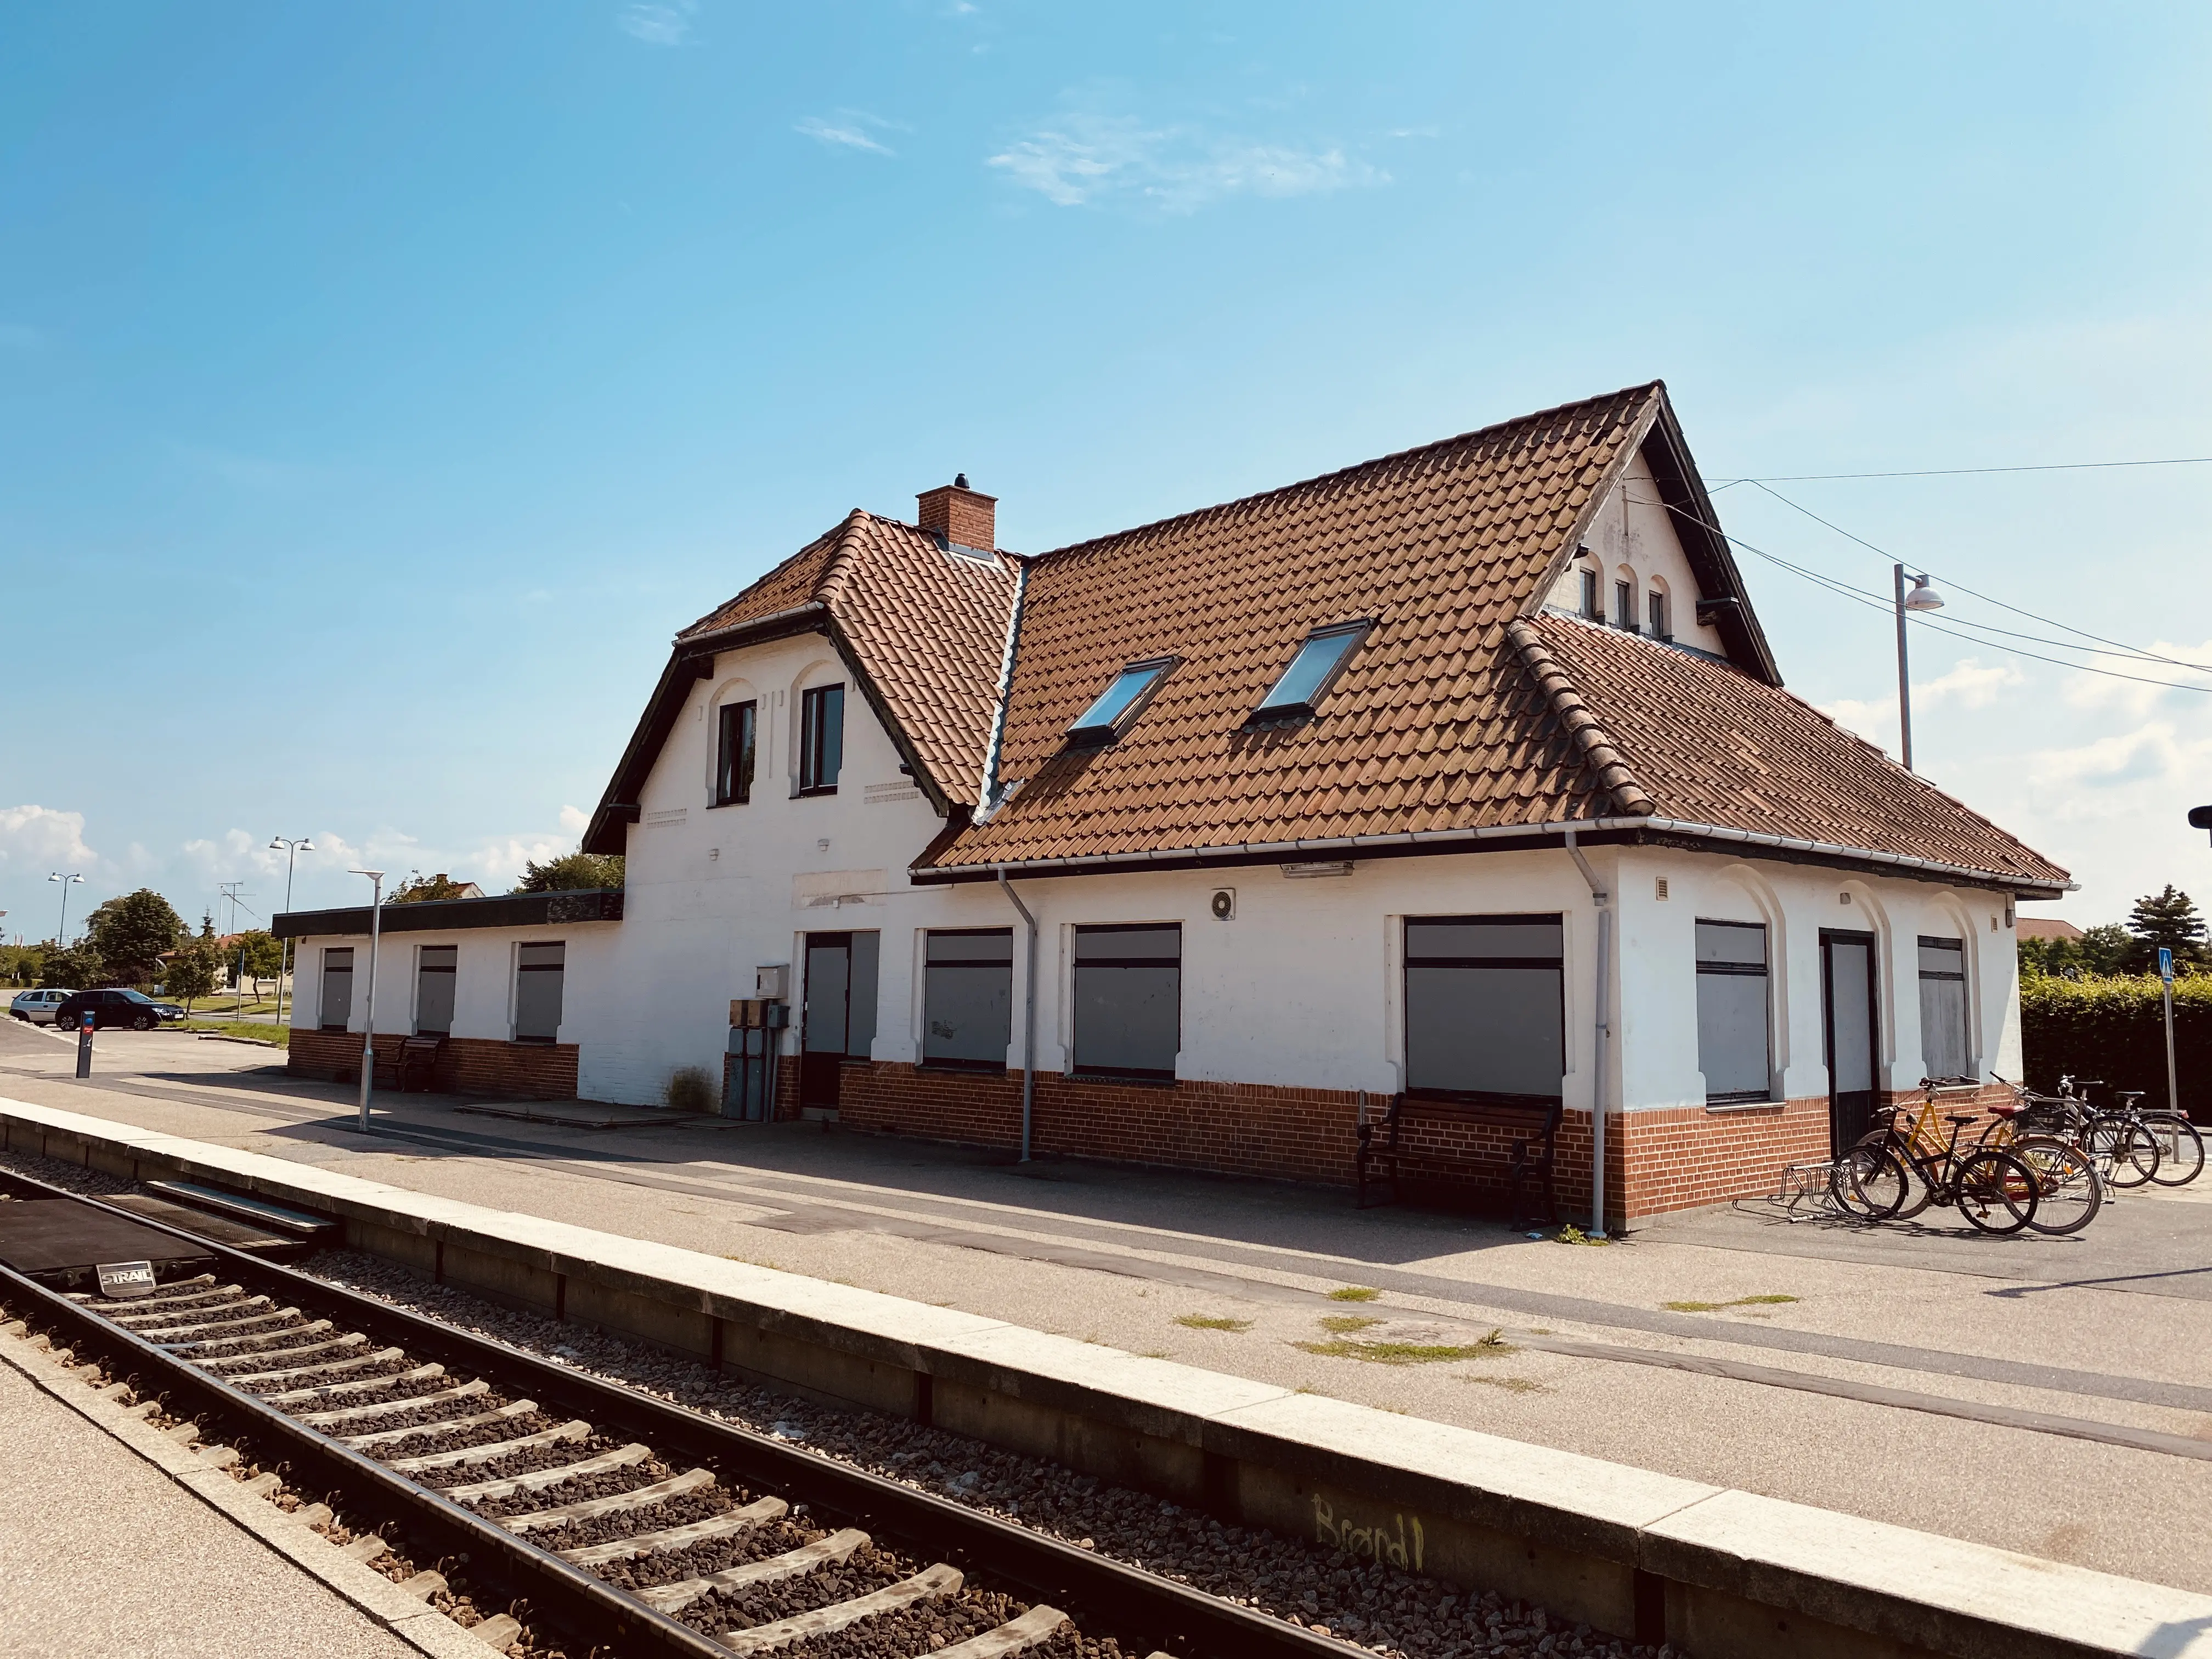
(1128, 1602)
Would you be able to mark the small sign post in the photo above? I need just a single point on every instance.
(84, 1044)
(119, 1279)
(2166, 987)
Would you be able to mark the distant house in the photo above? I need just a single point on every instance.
(1465, 774)
(2047, 928)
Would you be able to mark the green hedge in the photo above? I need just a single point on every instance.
(2115, 1028)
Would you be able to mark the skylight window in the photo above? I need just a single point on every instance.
(1311, 672)
(1120, 704)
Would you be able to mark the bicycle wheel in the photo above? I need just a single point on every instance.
(1869, 1182)
(2133, 1150)
(1917, 1194)
(2069, 1190)
(1995, 1192)
(2180, 1148)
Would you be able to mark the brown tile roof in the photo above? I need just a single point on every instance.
(1427, 729)
(927, 626)
(1711, 746)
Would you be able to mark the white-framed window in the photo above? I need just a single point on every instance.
(1944, 1043)
(436, 969)
(967, 997)
(539, 970)
(1128, 999)
(336, 1012)
(1485, 1007)
(1733, 1012)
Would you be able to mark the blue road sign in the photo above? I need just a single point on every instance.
(2166, 964)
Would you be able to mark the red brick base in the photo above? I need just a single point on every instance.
(465, 1065)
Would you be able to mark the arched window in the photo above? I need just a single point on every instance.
(1593, 604)
(1659, 621)
(1624, 600)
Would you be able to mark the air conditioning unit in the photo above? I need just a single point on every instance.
(1224, 904)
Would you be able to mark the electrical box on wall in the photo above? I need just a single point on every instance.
(772, 981)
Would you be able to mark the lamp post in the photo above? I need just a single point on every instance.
(61, 935)
(292, 851)
(1924, 596)
(369, 1022)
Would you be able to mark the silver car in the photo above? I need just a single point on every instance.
(37, 1007)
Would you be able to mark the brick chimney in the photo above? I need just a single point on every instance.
(965, 517)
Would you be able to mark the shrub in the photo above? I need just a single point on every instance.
(691, 1089)
(2114, 1027)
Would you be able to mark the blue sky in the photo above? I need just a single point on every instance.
(380, 388)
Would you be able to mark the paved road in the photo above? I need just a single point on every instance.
(1911, 1371)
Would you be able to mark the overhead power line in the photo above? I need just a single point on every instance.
(2116, 647)
(1969, 472)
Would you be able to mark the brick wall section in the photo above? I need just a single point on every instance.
(465, 1065)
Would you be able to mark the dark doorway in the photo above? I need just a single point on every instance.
(838, 1023)
(1847, 986)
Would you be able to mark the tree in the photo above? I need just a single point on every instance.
(2167, 919)
(191, 971)
(69, 966)
(130, 936)
(576, 873)
(264, 956)
(422, 888)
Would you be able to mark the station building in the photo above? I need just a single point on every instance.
(1465, 774)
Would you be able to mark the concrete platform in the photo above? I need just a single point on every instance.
(103, 1555)
(1731, 1574)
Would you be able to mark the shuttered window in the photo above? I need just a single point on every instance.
(1732, 1011)
(538, 971)
(337, 988)
(967, 998)
(1128, 1001)
(1944, 1008)
(435, 976)
(1484, 1009)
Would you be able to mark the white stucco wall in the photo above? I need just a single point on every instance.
(1634, 536)
(484, 984)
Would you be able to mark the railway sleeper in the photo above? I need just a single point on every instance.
(386, 1436)
(926, 1585)
(677, 1538)
(623, 1458)
(671, 1598)
(588, 1508)
(344, 1390)
(186, 1350)
(376, 1356)
(384, 1408)
(350, 1339)
(492, 1450)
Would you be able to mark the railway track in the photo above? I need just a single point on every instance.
(628, 1524)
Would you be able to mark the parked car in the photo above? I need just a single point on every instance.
(109, 1008)
(172, 1013)
(37, 1007)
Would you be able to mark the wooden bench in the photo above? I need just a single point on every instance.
(1385, 1154)
(418, 1063)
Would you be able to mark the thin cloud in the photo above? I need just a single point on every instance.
(1089, 159)
(658, 24)
(847, 132)
(32, 835)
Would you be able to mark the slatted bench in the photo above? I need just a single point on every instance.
(418, 1063)
(1390, 1147)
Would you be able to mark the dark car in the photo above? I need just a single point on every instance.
(134, 1009)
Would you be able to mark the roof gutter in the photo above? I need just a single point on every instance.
(1442, 839)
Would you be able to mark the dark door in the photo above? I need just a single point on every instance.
(824, 1023)
(1847, 983)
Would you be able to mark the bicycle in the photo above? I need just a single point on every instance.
(2126, 1152)
(1994, 1190)
(2047, 1135)
(2180, 1148)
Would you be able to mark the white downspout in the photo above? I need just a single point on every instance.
(1029, 1012)
(1602, 1004)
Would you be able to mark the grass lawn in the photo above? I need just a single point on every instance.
(279, 1035)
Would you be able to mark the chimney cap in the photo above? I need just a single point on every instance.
(960, 481)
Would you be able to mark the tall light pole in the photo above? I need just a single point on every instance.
(292, 851)
(369, 1022)
(61, 935)
(1922, 597)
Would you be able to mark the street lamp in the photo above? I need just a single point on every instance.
(368, 1025)
(292, 849)
(1924, 596)
(61, 937)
